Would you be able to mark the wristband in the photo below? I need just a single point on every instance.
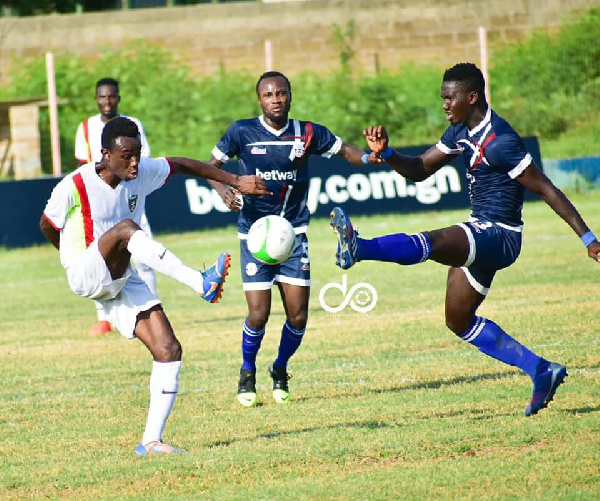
(587, 238)
(387, 153)
(365, 158)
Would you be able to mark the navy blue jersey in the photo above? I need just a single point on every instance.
(494, 155)
(280, 158)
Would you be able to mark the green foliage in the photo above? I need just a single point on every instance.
(548, 86)
(551, 82)
(346, 104)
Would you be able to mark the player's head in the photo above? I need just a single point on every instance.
(118, 127)
(274, 93)
(463, 90)
(467, 76)
(121, 147)
(107, 97)
(271, 74)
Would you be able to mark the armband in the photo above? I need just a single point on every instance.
(365, 158)
(387, 153)
(587, 238)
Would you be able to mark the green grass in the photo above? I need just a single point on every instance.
(387, 405)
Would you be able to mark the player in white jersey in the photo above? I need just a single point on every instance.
(92, 218)
(88, 148)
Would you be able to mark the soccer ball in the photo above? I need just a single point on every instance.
(271, 239)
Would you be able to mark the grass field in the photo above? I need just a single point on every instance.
(386, 405)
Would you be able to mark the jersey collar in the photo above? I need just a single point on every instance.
(482, 124)
(271, 129)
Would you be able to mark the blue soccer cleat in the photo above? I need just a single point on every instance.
(214, 278)
(548, 378)
(156, 448)
(347, 238)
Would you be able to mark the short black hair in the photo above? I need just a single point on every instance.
(118, 127)
(468, 75)
(107, 81)
(271, 74)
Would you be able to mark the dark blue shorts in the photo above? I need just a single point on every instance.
(260, 276)
(492, 247)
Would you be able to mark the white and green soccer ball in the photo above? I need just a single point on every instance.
(271, 239)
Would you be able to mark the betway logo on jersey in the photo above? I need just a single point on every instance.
(276, 175)
(338, 189)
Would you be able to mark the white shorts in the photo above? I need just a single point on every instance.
(122, 299)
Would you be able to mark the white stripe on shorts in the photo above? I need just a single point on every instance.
(472, 249)
(474, 283)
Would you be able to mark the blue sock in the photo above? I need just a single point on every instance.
(493, 341)
(291, 338)
(251, 340)
(398, 248)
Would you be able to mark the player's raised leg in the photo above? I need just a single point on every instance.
(208, 284)
(347, 238)
(398, 248)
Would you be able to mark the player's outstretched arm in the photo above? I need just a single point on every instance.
(248, 185)
(229, 195)
(356, 156)
(414, 168)
(535, 180)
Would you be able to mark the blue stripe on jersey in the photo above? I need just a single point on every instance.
(280, 158)
(494, 155)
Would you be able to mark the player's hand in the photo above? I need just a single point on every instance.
(252, 185)
(594, 251)
(377, 138)
(232, 198)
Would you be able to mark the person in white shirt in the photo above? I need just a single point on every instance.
(88, 148)
(93, 218)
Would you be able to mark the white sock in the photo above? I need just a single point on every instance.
(164, 384)
(100, 311)
(157, 256)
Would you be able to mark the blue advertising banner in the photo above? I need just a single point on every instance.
(187, 204)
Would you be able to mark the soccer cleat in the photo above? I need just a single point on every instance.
(156, 448)
(100, 328)
(214, 278)
(548, 378)
(247, 388)
(346, 236)
(281, 390)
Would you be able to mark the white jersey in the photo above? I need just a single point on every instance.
(83, 207)
(88, 140)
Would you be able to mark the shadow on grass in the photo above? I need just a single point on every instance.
(427, 385)
(583, 410)
(371, 425)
